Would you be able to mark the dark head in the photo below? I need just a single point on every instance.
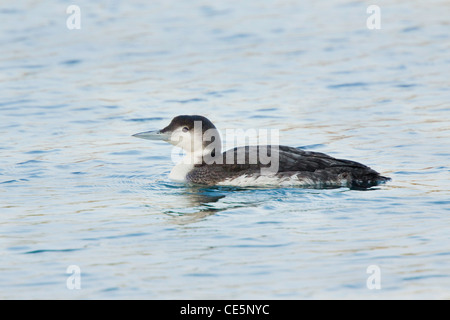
(193, 133)
(187, 123)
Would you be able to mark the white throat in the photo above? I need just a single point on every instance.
(191, 158)
(185, 165)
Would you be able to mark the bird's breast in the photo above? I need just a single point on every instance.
(180, 171)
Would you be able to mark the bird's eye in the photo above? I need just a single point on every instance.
(185, 129)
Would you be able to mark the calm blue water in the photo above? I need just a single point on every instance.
(77, 189)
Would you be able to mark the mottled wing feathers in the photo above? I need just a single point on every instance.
(289, 159)
(314, 167)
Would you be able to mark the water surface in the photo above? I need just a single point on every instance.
(77, 189)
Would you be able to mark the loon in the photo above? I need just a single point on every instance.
(247, 166)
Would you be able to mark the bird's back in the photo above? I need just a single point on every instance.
(238, 166)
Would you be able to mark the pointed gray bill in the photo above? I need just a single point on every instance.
(153, 135)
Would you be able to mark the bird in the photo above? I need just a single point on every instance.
(254, 165)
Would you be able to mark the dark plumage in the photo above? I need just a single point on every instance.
(313, 168)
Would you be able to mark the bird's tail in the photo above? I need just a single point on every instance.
(369, 180)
